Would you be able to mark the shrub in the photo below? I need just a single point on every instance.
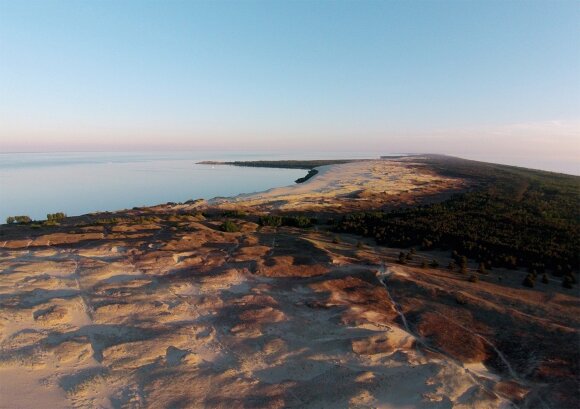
(545, 278)
(402, 258)
(424, 264)
(110, 220)
(426, 244)
(55, 217)
(567, 282)
(293, 221)
(18, 219)
(234, 213)
(473, 278)
(270, 220)
(297, 221)
(336, 239)
(529, 281)
(434, 263)
(229, 227)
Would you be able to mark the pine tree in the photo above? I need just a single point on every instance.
(567, 282)
(529, 281)
(463, 265)
(402, 258)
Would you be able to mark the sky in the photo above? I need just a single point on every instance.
(491, 80)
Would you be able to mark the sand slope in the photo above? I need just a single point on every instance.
(178, 322)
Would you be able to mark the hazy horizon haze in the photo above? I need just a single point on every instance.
(488, 80)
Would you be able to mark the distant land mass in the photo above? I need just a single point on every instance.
(285, 164)
(420, 281)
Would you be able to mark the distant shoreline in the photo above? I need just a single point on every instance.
(310, 165)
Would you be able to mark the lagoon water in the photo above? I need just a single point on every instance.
(35, 184)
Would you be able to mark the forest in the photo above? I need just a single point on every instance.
(511, 217)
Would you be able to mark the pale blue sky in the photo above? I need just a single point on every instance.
(394, 76)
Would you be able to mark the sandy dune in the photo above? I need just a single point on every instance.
(199, 323)
(356, 185)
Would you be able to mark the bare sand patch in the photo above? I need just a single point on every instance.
(350, 186)
(194, 327)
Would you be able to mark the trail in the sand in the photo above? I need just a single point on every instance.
(382, 274)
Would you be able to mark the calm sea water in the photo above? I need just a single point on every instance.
(35, 184)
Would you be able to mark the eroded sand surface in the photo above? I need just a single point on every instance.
(356, 185)
(197, 318)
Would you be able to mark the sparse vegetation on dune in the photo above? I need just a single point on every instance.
(234, 213)
(229, 227)
(56, 217)
(284, 220)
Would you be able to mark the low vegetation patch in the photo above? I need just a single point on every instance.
(229, 227)
(234, 213)
(18, 220)
(55, 217)
(293, 221)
